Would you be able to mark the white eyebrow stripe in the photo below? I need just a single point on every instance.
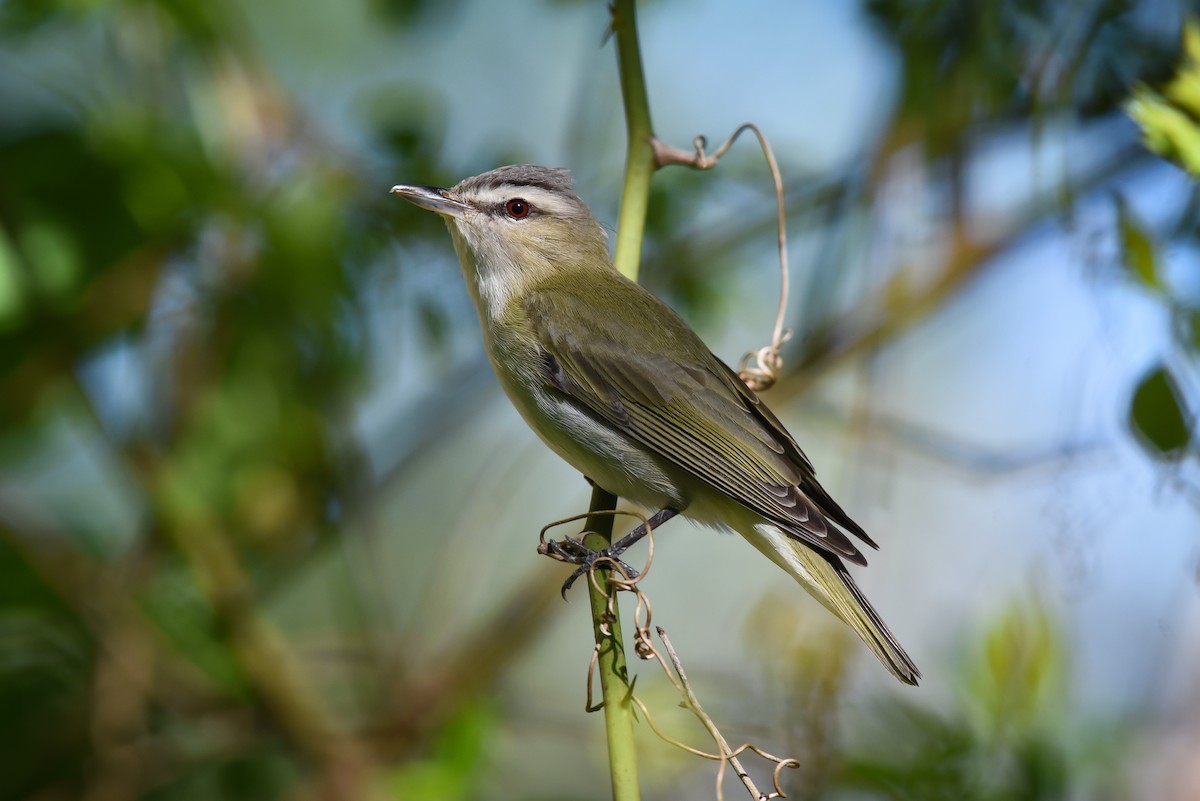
(540, 199)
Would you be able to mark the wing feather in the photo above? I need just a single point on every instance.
(688, 407)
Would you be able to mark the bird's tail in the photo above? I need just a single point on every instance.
(828, 581)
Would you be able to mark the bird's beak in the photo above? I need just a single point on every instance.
(441, 201)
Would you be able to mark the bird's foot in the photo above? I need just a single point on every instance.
(573, 551)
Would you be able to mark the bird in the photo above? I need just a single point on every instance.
(616, 383)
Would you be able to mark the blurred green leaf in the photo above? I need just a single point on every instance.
(1166, 130)
(12, 286)
(1157, 415)
(1185, 88)
(1170, 120)
(453, 769)
(174, 604)
(1137, 248)
(55, 261)
(1192, 329)
(1018, 683)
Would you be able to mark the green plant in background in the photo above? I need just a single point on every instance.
(185, 265)
(1170, 119)
(1006, 737)
(176, 217)
(454, 767)
(1162, 414)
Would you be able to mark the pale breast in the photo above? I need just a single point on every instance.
(606, 456)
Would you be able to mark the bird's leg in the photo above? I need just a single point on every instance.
(638, 534)
(574, 551)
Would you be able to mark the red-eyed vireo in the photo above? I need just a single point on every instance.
(616, 383)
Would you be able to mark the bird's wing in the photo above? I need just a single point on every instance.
(683, 403)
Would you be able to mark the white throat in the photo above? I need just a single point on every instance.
(493, 281)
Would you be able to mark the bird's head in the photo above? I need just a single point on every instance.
(516, 226)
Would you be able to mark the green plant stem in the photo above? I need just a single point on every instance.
(639, 161)
(631, 225)
(614, 674)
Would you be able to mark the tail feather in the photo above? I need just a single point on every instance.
(827, 580)
(874, 632)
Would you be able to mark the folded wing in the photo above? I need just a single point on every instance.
(686, 405)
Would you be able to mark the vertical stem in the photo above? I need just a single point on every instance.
(639, 162)
(631, 225)
(614, 674)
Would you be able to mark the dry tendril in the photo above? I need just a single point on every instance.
(643, 645)
(764, 372)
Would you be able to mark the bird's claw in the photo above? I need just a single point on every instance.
(574, 552)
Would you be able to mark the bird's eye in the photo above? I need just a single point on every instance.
(517, 208)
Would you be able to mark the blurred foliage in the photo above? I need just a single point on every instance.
(180, 211)
(1007, 737)
(1158, 415)
(454, 767)
(45, 660)
(967, 62)
(1162, 414)
(187, 267)
(1170, 120)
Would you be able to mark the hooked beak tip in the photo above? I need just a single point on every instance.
(432, 198)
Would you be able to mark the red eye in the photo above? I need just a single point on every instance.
(517, 208)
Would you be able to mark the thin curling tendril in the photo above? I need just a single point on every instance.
(768, 360)
(672, 667)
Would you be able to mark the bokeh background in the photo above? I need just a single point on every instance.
(267, 524)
